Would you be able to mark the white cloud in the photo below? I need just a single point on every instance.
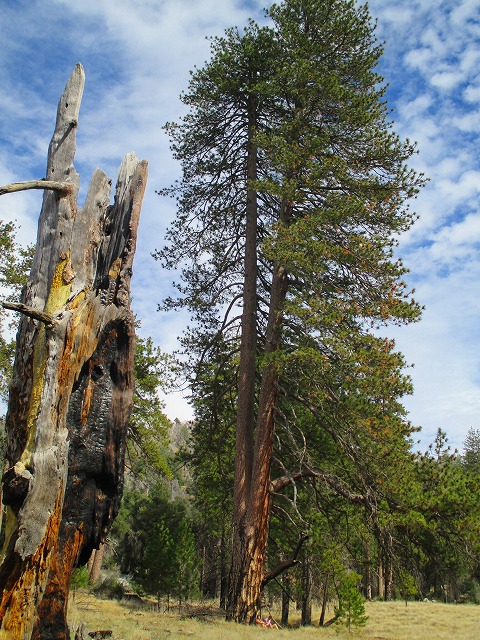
(469, 122)
(419, 59)
(446, 80)
(472, 93)
(466, 14)
(398, 17)
(466, 232)
(137, 55)
(416, 107)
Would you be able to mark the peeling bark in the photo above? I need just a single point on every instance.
(72, 388)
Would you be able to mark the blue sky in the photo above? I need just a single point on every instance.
(137, 55)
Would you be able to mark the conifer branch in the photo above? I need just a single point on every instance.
(333, 481)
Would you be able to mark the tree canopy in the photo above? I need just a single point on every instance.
(294, 189)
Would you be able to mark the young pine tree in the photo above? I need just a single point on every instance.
(351, 608)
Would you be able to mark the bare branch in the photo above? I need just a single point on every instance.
(46, 318)
(333, 481)
(286, 564)
(62, 188)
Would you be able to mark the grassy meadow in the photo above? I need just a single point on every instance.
(386, 621)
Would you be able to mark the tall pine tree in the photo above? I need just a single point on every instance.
(293, 191)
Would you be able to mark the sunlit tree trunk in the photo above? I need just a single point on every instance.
(246, 578)
(381, 577)
(367, 573)
(96, 563)
(252, 506)
(244, 452)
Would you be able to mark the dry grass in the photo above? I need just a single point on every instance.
(423, 621)
(387, 621)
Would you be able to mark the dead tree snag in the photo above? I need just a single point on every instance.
(72, 388)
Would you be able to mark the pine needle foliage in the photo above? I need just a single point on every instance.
(351, 608)
(294, 190)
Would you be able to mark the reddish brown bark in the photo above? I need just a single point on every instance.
(251, 521)
(72, 389)
(250, 536)
(248, 344)
(244, 451)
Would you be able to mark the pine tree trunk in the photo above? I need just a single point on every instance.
(367, 573)
(223, 571)
(252, 491)
(244, 453)
(385, 566)
(389, 582)
(249, 545)
(248, 343)
(306, 592)
(285, 599)
(72, 387)
(381, 576)
(324, 600)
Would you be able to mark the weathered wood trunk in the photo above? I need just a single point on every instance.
(71, 394)
(94, 564)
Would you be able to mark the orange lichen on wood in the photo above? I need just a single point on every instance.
(72, 388)
(17, 606)
(53, 606)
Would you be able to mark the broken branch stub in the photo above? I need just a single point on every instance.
(62, 188)
(72, 388)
